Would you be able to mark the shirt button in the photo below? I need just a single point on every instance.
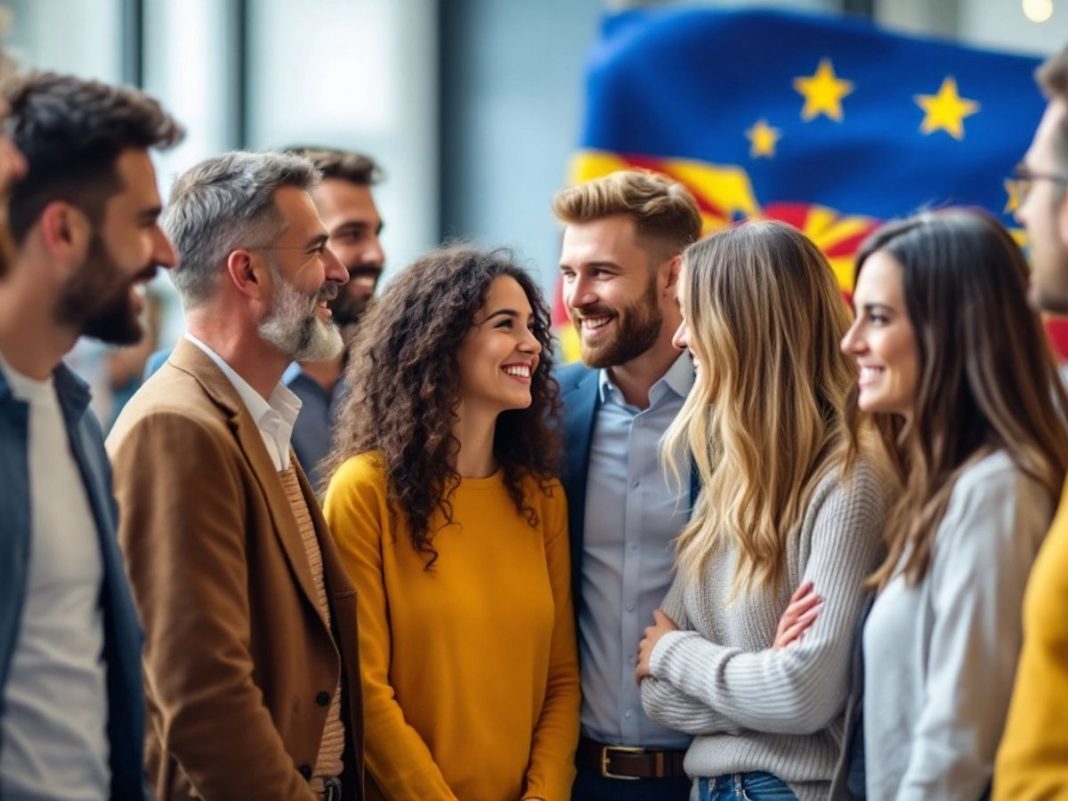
(305, 771)
(628, 714)
(322, 698)
(631, 607)
(635, 483)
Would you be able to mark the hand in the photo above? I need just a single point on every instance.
(662, 625)
(799, 616)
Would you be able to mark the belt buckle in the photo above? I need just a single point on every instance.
(332, 789)
(624, 749)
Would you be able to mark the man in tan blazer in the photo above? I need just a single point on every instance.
(250, 661)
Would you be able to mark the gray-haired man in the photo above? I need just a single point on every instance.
(250, 659)
(347, 206)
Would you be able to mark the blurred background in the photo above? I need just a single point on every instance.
(472, 107)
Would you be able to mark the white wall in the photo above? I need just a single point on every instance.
(81, 37)
(360, 74)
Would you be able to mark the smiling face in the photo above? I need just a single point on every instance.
(103, 298)
(682, 339)
(1044, 211)
(352, 221)
(612, 290)
(500, 353)
(882, 339)
(306, 277)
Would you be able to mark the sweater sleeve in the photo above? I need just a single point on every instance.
(676, 710)
(800, 689)
(665, 704)
(978, 574)
(1032, 761)
(674, 603)
(552, 756)
(397, 758)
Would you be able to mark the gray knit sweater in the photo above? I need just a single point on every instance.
(753, 708)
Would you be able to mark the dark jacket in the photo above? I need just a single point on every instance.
(122, 633)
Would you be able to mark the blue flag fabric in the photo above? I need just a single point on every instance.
(830, 124)
(847, 115)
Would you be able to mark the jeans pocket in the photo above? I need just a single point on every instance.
(762, 786)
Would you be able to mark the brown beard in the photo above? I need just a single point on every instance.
(96, 301)
(639, 325)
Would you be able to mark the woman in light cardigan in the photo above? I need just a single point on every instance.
(787, 500)
(956, 368)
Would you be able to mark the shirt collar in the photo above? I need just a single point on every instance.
(676, 381)
(282, 402)
(292, 373)
(70, 388)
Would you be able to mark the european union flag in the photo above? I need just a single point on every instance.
(830, 124)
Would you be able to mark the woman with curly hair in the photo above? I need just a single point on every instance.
(442, 501)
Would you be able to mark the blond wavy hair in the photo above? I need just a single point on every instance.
(665, 214)
(769, 414)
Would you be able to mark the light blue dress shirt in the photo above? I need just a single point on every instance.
(633, 514)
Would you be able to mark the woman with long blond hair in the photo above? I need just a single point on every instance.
(787, 500)
(955, 368)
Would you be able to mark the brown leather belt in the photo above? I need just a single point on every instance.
(629, 762)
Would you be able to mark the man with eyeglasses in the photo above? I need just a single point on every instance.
(250, 660)
(347, 206)
(1033, 760)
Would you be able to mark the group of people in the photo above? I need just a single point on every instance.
(752, 547)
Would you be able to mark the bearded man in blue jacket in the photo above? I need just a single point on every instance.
(84, 229)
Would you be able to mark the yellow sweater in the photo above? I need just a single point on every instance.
(1032, 762)
(470, 672)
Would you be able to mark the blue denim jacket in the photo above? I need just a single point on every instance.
(122, 632)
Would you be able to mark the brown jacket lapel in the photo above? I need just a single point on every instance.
(191, 359)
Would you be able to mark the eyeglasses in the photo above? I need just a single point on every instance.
(1023, 179)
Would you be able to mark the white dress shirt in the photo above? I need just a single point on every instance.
(275, 416)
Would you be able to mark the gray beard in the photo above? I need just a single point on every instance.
(295, 329)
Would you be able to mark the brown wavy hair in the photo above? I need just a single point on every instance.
(404, 389)
(987, 377)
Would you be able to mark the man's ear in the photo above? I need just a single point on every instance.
(65, 233)
(674, 270)
(246, 273)
(671, 269)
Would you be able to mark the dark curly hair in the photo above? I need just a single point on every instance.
(71, 132)
(404, 389)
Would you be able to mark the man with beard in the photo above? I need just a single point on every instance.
(84, 222)
(1032, 762)
(347, 207)
(622, 243)
(250, 620)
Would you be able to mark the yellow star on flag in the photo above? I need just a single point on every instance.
(823, 92)
(763, 139)
(1012, 190)
(946, 110)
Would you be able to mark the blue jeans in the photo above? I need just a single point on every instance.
(756, 786)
